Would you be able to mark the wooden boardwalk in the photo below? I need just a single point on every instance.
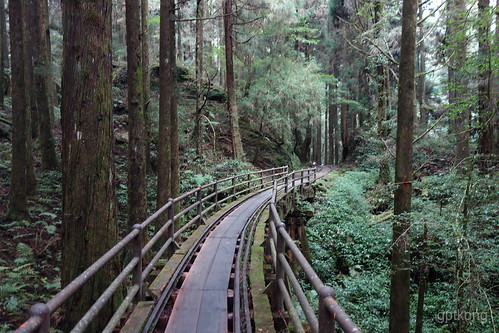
(201, 305)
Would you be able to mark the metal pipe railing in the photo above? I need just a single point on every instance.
(329, 310)
(39, 320)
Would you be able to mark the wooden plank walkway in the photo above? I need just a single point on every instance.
(201, 305)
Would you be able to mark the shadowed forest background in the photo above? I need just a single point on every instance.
(110, 108)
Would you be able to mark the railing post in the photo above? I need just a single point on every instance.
(261, 179)
(315, 174)
(286, 186)
(233, 188)
(137, 272)
(215, 190)
(301, 181)
(41, 310)
(326, 319)
(308, 175)
(199, 199)
(249, 183)
(293, 180)
(171, 229)
(279, 269)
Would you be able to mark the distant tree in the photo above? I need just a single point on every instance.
(401, 260)
(146, 80)
(199, 75)
(18, 202)
(137, 169)
(458, 82)
(89, 226)
(235, 132)
(43, 80)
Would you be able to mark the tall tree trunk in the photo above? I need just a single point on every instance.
(326, 126)
(305, 148)
(423, 276)
(421, 87)
(3, 34)
(458, 85)
(18, 202)
(318, 142)
(199, 75)
(344, 131)
(43, 79)
(137, 169)
(30, 39)
(401, 260)
(89, 226)
(333, 124)
(235, 133)
(168, 154)
(32, 116)
(486, 112)
(146, 81)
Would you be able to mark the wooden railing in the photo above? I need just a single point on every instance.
(329, 310)
(195, 206)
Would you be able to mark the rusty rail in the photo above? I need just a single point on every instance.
(194, 206)
(329, 310)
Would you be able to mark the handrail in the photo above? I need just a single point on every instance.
(39, 320)
(329, 310)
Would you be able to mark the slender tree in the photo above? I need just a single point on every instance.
(168, 154)
(487, 116)
(401, 261)
(199, 75)
(18, 202)
(3, 34)
(458, 85)
(43, 78)
(235, 133)
(137, 206)
(89, 226)
(146, 80)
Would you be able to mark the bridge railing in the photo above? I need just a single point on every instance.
(194, 205)
(329, 310)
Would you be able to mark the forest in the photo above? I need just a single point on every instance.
(109, 108)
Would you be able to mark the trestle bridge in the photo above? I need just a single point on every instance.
(204, 277)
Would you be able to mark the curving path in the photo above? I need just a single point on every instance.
(201, 305)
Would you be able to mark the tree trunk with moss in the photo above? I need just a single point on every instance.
(235, 132)
(137, 205)
(401, 260)
(89, 226)
(43, 80)
(18, 201)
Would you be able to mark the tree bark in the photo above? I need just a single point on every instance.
(3, 35)
(168, 154)
(30, 39)
(318, 142)
(199, 75)
(235, 133)
(89, 226)
(18, 202)
(146, 81)
(137, 204)
(43, 80)
(401, 260)
(486, 113)
(344, 131)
